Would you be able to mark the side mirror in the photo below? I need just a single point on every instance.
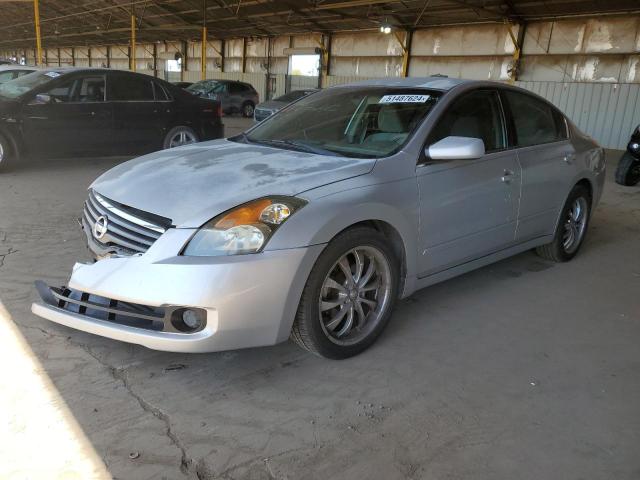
(41, 99)
(456, 148)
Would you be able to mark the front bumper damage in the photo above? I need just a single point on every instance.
(246, 300)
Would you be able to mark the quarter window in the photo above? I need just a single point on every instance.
(161, 93)
(535, 121)
(130, 89)
(477, 115)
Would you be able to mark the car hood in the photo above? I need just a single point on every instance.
(192, 184)
(272, 105)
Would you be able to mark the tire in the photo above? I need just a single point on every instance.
(628, 171)
(247, 109)
(6, 154)
(315, 328)
(173, 136)
(573, 224)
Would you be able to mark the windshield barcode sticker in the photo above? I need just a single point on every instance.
(404, 98)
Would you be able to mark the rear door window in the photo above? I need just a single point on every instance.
(125, 88)
(535, 121)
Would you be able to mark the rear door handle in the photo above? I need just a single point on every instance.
(569, 158)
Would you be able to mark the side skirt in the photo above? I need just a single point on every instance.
(480, 262)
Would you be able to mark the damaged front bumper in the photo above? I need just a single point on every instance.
(243, 301)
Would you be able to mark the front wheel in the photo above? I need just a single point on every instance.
(247, 109)
(628, 171)
(349, 295)
(571, 228)
(178, 136)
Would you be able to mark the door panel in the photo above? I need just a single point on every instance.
(546, 178)
(77, 120)
(546, 156)
(467, 209)
(139, 120)
(68, 128)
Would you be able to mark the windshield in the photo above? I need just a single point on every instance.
(366, 122)
(291, 96)
(21, 85)
(206, 86)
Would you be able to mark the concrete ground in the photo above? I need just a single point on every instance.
(524, 369)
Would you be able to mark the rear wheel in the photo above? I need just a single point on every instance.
(247, 109)
(571, 229)
(628, 171)
(349, 295)
(6, 154)
(179, 136)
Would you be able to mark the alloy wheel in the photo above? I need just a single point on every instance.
(248, 110)
(182, 137)
(355, 295)
(575, 225)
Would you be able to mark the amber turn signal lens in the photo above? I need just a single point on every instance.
(245, 215)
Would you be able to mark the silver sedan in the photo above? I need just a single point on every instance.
(312, 224)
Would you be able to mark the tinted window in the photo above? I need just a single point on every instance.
(161, 93)
(130, 89)
(239, 88)
(89, 89)
(476, 114)
(79, 89)
(534, 120)
(62, 92)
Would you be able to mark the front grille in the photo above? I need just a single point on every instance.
(122, 230)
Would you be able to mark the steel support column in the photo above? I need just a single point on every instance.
(203, 52)
(244, 54)
(36, 18)
(517, 49)
(132, 55)
(406, 50)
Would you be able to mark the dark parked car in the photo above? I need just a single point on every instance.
(234, 96)
(270, 107)
(69, 111)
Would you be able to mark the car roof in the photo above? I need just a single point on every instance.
(435, 82)
(16, 67)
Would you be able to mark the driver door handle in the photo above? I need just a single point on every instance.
(507, 176)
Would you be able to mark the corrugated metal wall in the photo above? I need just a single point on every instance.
(607, 112)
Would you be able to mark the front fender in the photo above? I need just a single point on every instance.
(330, 211)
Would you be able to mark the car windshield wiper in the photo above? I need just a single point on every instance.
(292, 145)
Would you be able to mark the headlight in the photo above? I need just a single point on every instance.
(244, 229)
